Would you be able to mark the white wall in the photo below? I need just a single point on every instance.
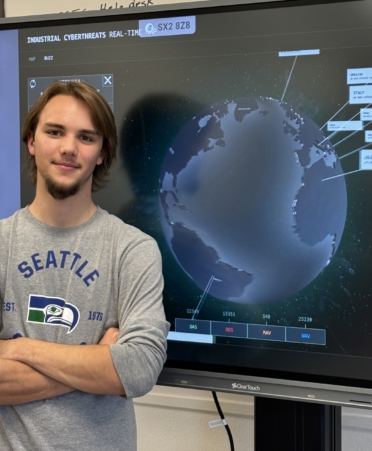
(356, 430)
(177, 419)
(28, 8)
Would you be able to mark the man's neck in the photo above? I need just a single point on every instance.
(70, 212)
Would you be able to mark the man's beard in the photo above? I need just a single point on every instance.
(61, 192)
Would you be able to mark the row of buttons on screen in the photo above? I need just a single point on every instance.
(252, 331)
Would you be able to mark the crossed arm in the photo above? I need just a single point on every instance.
(31, 369)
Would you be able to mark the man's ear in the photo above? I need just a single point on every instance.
(31, 144)
(101, 157)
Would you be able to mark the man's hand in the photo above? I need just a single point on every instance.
(87, 368)
(20, 383)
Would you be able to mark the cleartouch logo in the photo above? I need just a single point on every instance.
(238, 386)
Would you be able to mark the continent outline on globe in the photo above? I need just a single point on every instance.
(244, 206)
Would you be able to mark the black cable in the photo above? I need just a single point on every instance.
(223, 420)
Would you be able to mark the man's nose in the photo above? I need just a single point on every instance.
(69, 145)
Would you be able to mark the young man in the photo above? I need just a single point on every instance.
(86, 290)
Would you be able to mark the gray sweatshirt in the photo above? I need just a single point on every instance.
(69, 286)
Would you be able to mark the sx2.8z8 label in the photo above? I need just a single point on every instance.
(171, 26)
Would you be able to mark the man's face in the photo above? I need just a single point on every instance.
(66, 147)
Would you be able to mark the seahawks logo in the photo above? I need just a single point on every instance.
(52, 311)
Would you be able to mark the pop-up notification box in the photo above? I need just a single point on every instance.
(366, 114)
(356, 76)
(365, 159)
(360, 94)
(334, 126)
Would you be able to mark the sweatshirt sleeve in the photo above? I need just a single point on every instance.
(140, 351)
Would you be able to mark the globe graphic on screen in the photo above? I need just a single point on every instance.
(252, 200)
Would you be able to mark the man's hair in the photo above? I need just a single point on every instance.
(102, 118)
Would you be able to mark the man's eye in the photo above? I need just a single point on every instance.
(86, 138)
(54, 132)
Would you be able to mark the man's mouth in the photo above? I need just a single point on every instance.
(66, 164)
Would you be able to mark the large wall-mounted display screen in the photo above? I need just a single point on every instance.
(246, 152)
